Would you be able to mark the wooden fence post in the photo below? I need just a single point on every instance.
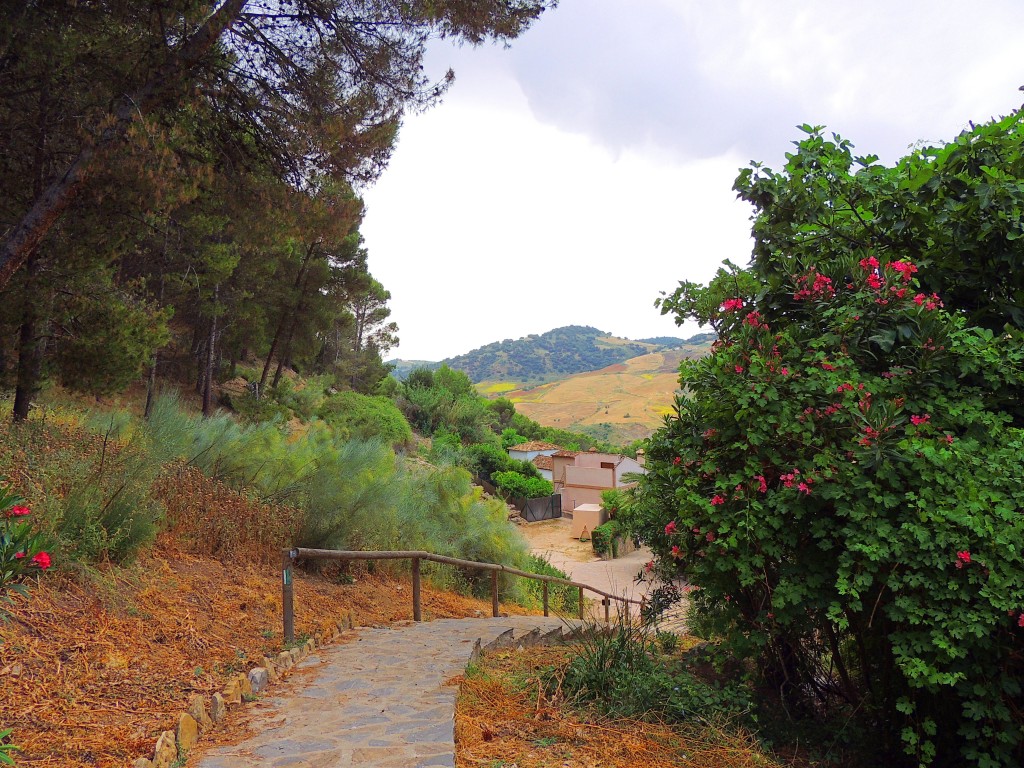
(581, 603)
(545, 597)
(607, 610)
(417, 612)
(287, 593)
(494, 594)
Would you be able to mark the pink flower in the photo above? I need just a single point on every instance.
(18, 555)
(805, 488)
(919, 420)
(716, 500)
(964, 557)
(677, 461)
(739, 369)
(730, 305)
(905, 268)
(42, 560)
(675, 552)
(869, 263)
(874, 281)
(649, 566)
(784, 371)
(919, 299)
(18, 511)
(949, 439)
(762, 483)
(670, 528)
(710, 536)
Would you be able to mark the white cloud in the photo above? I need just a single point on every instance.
(573, 177)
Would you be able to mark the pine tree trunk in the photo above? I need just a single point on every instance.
(210, 355)
(30, 357)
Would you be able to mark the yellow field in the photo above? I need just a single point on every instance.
(632, 397)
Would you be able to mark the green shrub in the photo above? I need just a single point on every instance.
(518, 486)
(622, 676)
(562, 598)
(604, 539)
(843, 482)
(366, 417)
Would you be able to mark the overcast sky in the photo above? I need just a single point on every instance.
(573, 177)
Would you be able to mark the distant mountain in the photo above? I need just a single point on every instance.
(555, 354)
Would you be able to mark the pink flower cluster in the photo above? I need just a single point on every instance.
(731, 305)
(814, 285)
(904, 268)
(755, 321)
(40, 559)
(917, 421)
(930, 303)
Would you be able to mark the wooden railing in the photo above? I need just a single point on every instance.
(289, 556)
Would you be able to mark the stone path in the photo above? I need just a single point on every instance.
(380, 701)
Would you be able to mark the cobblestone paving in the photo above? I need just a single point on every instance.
(378, 702)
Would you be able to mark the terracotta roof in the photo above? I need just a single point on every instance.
(534, 446)
(543, 462)
(567, 454)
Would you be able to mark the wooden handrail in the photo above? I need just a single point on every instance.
(289, 556)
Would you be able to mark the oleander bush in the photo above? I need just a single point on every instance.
(842, 482)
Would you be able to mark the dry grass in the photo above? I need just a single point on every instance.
(631, 396)
(504, 719)
(92, 669)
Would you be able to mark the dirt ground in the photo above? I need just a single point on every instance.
(552, 539)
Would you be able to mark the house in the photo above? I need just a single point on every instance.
(544, 465)
(531, 450)
(580, 477)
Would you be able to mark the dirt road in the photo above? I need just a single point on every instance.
(552, 539)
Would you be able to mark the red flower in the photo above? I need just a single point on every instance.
(716, 500)
(675, 552)
(732, 304)
(828, 366)
(964, 557)
(874, 281)
(805, 488)
(42, 560)
(905, 268)
(784, 371)
(869, 263)
(677, 461)
(919, 420)
(18, 555)
(762, 483)
(670, 528)
(739, 369)
(919, 299)
(1020, 620)
(18, 511)
(649, 566)
(710, 536)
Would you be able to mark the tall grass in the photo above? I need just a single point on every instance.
(352, 494)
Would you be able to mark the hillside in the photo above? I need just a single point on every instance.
(621, 402)
(542, 357)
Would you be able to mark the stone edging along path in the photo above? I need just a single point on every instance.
(378, 701)
(203, 714)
